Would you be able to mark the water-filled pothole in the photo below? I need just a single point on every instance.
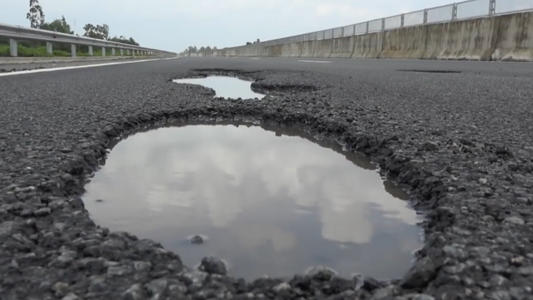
(225, 86)
(269, 204)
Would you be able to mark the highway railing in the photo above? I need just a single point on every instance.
(18, 33)
(446, 13)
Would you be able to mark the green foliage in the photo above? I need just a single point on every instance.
(35, 15)
(32, 49)
(24, 51)
(100, 32)
(4, 50)
(202, 51)
(124, 40)
(58, 25)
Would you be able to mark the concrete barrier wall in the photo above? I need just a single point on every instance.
(506, 37)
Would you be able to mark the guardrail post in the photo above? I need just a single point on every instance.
(383, 24)
(367, 27)
(103, 51)
(492, 7)
(49, 48)
(13, 48)
(73, 50)
(91, 53)
(425, 16)
(112, 51)
(402, 22)
(121, 52)
(354, 27)
(454, 12)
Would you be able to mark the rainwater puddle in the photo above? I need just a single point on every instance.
(267, 203)
(225, 86)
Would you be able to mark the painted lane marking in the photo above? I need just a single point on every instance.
(80, 67)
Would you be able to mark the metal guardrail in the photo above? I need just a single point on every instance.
(446, 13)
(18, 33)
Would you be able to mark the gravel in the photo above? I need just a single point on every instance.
(459, 143)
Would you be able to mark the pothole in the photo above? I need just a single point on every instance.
(225, 86)
(267, 203)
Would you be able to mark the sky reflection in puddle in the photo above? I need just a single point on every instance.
(225, 86)
(270, 205)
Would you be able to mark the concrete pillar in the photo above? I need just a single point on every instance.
(103, 51)
(91, 52)
(121, 52)
(49, 48)
(113, 52)
(73, 50)
(13, 48)
(129, 51)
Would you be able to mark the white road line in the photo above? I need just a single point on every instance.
(316, 61)
(80, 67)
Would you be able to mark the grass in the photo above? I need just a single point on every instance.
(24, 51)
(40, 51)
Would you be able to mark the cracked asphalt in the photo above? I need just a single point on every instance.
(455, 135)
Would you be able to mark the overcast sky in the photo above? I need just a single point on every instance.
(176, 24)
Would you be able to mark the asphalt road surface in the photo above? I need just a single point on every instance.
(456, 135)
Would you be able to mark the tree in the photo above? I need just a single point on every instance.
(100, 32)
(35, 15)
(58, 25)
(133, 42)
(124, 40)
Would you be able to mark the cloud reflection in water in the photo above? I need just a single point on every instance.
(270, 205)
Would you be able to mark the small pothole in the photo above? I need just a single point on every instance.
(271, 203)
(225, 86)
